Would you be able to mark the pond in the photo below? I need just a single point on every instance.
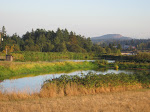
(33, 84)
(109, 61)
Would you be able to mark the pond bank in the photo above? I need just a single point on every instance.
(22, 69)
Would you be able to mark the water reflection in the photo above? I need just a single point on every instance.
(109, 61)
(33, 84)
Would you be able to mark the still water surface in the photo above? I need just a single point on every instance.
(33, 84)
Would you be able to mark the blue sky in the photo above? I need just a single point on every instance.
(86, 17)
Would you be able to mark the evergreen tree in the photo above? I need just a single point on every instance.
(3, 30)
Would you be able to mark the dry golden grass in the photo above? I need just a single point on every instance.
(128, 101)
(52, 90)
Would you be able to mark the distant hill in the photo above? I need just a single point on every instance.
(109, 38)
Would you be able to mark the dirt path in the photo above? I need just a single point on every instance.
(129, 101)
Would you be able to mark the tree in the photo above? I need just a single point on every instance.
(29, 42)
(49, 41)
(75, 48)
(61, 47)
(108, 50)
(98, 49)
(59, 34)
(3, 30)
(118, 52)
(48, 47)
(8, 49)
(119, 46)
(66, 35)
(41, 41)
(56, 40)
(0, 38)
(73, 39)
(88, 44)
(114, 50)
(110, 46)
(16, 47)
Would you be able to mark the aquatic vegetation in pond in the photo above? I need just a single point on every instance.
(93, 83)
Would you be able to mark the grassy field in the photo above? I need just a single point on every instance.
(48, 56)
(22, 69)
(128, 101)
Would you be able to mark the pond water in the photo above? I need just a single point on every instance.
(109, 61)
(33, 84)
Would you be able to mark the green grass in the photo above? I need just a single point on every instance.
(21, 69)
(49, 56)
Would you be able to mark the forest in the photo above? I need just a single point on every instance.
(61, 40)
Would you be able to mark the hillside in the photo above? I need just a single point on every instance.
(109, 38)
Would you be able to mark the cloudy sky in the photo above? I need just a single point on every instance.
(86, 17)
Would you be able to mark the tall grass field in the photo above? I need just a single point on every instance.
(49, 56)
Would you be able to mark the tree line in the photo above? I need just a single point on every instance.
(61, 40)
(139, 44)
